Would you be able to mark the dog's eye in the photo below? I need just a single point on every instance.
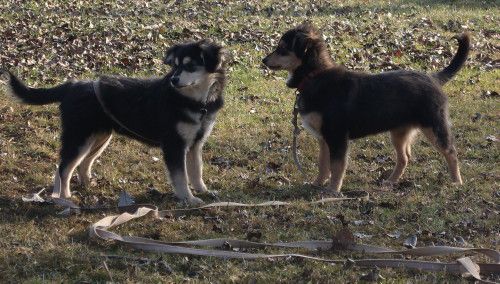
(189, 67)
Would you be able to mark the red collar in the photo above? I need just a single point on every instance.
(306, 79)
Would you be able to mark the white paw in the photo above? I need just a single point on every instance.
(194, 201)
(387, 184)
(319, 181)
(60, 195)
(200, 188)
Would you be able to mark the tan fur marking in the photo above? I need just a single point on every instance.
(401, 139)
(288, 62)
(338, 171)
(323, 163)
(449, 154)
(62, 181)
(188, 131)
(195, 168)
(312, 122)
(85, 168)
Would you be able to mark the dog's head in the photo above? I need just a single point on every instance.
(292, 49)
(193, 63)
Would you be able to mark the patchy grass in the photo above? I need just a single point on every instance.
(248, 156)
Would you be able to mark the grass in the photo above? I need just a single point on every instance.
(247, 158)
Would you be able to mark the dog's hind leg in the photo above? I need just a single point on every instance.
(195, 168)
(72, 155)
(440, 138)
(85, 169)
(323, 163)
(401, 139)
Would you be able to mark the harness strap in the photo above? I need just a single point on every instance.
(116, 120)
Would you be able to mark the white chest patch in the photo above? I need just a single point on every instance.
(289, 78)
(208, 129)
(312, 123)
(188, 131)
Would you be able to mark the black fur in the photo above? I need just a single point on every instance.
(356, 104)
(150, 109)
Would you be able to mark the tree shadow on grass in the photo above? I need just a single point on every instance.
(401, 6)
(454, 3)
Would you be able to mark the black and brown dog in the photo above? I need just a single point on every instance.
(337, 104)
(175, 112)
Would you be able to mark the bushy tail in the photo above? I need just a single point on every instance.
(458, 60)
(34, 96)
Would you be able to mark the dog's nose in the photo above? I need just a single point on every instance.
(174, 80)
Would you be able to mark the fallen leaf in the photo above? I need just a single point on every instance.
(362, 235)
(410, 242)
(35, 197)
(394, 235)
(125, 199)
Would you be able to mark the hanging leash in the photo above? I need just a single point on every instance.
(296, 132)
(296, 128)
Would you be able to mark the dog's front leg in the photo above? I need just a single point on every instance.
(323, 163)
(338, 147)
(175, 159)
(195, 168)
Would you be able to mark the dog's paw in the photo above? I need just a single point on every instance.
(200, 188)
(319, 182)
(336, 194)
(326, 192)
(387, 185)
(457, 182)
(319, 188)
(60, 195)
(88, 183)
(194, 201)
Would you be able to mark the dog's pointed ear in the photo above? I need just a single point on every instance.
(211, 55)
(170, 55)
(301, 43)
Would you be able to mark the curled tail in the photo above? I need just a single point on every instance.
(34, 96)
(458, 60)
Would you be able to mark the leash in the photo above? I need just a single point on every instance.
(66, 203)
(462, 266)
(296, 128)
(296, 133)
(116, 120)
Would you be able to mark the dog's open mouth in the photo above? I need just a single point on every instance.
(274, 67)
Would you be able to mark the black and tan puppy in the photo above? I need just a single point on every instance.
(337, 104)
(175, 112)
